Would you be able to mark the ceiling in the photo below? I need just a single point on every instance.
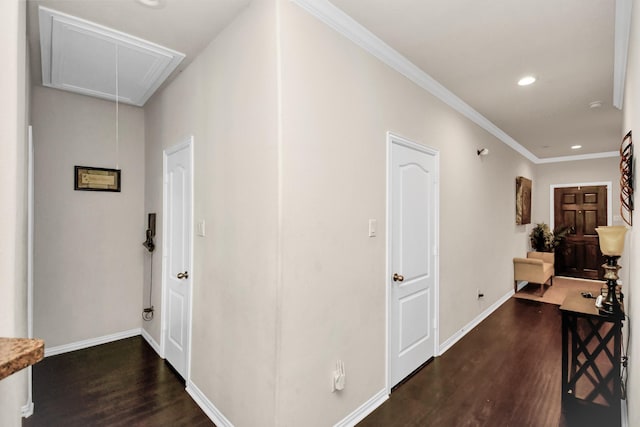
(82, 57)
(477, 50)
(186, 26)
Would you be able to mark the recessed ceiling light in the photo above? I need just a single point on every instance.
(526, 81)
(155, 4)
(595, 104)
(576, 147)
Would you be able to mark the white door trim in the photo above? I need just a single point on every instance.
(552, 188)
(188, 142)
(393, 138)
(27, 409)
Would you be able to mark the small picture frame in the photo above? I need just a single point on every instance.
(96, 179)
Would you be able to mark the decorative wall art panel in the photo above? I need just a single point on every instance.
(523, 200)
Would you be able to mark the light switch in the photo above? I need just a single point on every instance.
(373, 226)
(200, 231)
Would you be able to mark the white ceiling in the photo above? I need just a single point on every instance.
(476, 49)
(82, 57)
(479, 50)
(186, 26)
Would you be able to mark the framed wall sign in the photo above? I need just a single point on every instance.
(96, 179)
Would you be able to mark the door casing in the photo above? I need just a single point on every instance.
(393, 138)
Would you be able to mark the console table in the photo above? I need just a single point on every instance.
(591, 356)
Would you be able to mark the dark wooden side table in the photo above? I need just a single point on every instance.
(591, 357)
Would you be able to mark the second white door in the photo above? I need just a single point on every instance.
(178, 206)
(413, 210)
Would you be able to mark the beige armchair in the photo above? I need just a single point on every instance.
(537, 267)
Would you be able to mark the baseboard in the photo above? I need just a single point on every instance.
(475, 322)
(79, 345)
(149, 339)
(207, 406)
(522, 284)
(365, 409)
(27, 410)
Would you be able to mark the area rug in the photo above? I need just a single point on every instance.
(561, 286)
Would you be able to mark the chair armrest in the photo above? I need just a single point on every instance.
(532, 261)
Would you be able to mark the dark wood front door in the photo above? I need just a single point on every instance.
(582, 209)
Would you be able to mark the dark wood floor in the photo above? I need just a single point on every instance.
(123, 383)
(506, 372)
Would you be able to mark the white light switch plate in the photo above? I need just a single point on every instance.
(373, 227)
(200, 229)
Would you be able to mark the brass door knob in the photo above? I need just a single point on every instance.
(398, 277)
(184, 275)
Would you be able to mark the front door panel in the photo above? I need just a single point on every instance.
(582, 209)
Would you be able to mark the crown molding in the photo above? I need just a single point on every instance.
(335, 18)
(593, 156)
(621, 49)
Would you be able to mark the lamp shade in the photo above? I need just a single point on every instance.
(612, 239)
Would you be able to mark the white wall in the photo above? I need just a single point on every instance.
(632, 302)
(226, 99)
(13, 161)
(88, 252)
(338, 104)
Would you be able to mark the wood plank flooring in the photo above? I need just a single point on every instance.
(506, 372)
(123, 383)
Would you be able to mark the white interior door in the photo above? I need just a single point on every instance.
(177, 252)
(412, 265)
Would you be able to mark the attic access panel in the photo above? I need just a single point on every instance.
(82, 57)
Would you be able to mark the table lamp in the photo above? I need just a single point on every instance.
(611, 245)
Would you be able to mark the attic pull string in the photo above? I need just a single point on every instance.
(117, 112)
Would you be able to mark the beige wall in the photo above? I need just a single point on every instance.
(632, 302)
(226, 99)
(338, 104)
(13, 161)
(88, 252)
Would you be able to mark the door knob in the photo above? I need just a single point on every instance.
(398, 277)
(184, 275)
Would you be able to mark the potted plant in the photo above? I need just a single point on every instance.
(544, 240)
